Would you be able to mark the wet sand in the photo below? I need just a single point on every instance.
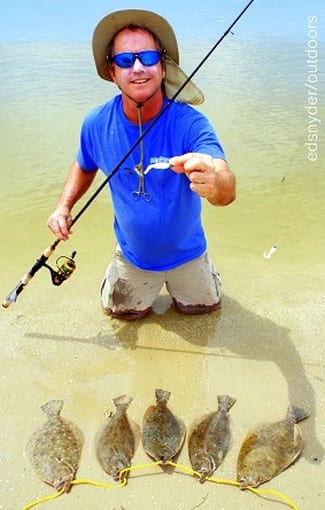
(264, 348)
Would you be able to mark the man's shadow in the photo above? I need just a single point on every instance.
(248, 336)
(234, 328)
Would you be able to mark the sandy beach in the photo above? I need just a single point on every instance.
(264, 352)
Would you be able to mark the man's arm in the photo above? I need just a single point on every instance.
(76, 185)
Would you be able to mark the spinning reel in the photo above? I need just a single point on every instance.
(65, 267)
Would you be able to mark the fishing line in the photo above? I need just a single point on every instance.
(41, 261)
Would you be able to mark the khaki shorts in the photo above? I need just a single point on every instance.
(128, 292)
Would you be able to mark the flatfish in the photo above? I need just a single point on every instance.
(115, 440)
(269, 449)
(163, 433)
(54, 449)
(210, 439)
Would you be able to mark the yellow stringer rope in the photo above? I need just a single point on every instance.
(180, 467)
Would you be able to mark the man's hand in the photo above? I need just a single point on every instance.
(76, 185)
(60, 222)
(210, 178)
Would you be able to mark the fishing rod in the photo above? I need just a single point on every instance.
(66, 265)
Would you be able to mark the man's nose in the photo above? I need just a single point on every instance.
(137, 66)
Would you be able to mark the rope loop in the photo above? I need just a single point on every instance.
(124, 480)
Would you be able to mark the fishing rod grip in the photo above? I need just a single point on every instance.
(12, 297)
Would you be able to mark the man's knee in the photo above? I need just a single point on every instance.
(127, 315)
(196, 309)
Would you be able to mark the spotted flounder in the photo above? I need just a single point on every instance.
(210, 439)
(163, 433)
(115, 441)
(270, 449)
(54, 449)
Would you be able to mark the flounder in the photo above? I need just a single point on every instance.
(210, 439)
(163, 433)
(270, 449)
(115, 440)
(54, 449)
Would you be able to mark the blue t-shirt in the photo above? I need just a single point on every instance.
(166, 231)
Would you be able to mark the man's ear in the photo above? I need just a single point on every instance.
(163, 69)
(110, 69)
(111, 72)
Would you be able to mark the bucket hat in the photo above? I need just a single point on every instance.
(175, 76)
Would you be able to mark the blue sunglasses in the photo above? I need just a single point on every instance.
(126, 60)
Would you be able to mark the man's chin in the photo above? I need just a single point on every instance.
(141, 94)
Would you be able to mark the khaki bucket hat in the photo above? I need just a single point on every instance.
(175, 76)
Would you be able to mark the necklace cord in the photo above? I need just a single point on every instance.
(140, 165)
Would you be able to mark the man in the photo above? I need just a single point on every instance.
(157, 192)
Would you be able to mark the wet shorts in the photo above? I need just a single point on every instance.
(128, 292)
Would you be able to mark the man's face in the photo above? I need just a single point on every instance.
(138, 82)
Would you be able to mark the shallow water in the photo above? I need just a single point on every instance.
(265, 347)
